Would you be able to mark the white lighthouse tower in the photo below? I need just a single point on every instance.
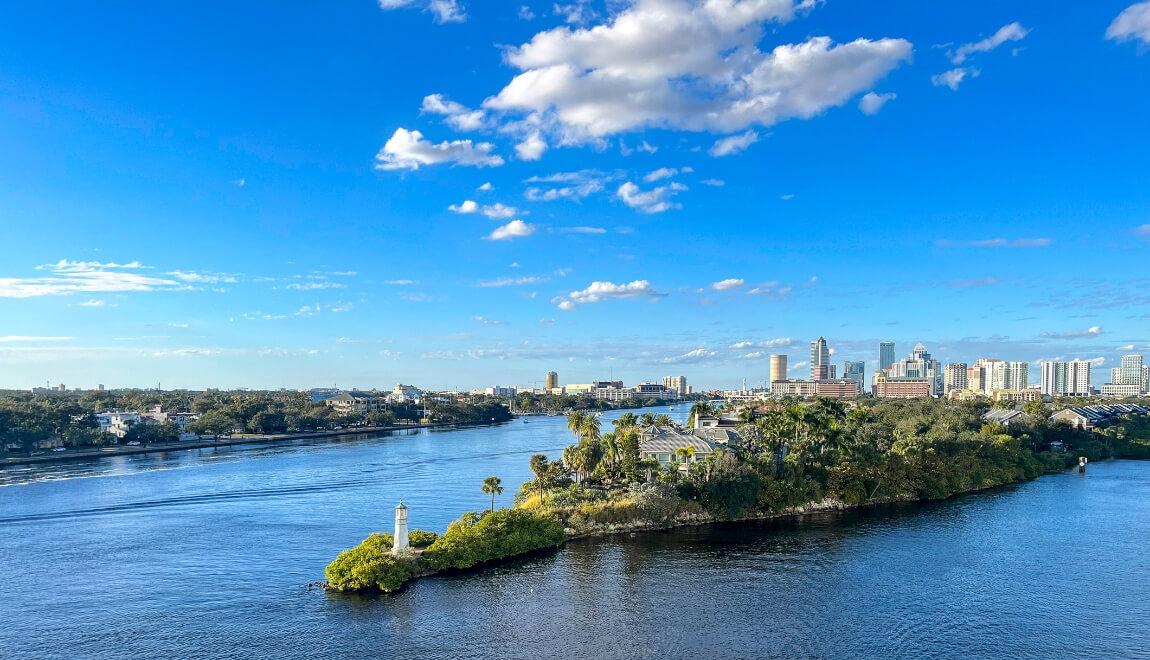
(399, 542)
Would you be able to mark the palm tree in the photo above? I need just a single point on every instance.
(647, 420)
(539, 466)
(589, 429)
(625, 421)
(664, 421)
(493, 486)
(700, 409)
(685, 453)
(575, 421)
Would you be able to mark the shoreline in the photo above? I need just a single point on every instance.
(225, 441)
(823, 507)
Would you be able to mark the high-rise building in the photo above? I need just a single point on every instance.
(1146, 378)
(855, 371)
(1132, 371)
(552, 380)
(820, 360)
(1066, 378)
(956, 377)
(976, 378)
(885, 354)
(778, 367)
(920, 365)
(677, 384)
(1116, 376)
(1018, 376)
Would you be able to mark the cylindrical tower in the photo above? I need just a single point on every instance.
(778, 367)
(399, 543)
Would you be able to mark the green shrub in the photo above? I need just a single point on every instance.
(419, 538)
(474, 539)
(368, 566)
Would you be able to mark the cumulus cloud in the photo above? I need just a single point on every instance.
(486, 187)
(871, 103)
(531, 148)
(733, 144)
(407, 150)
(599, 291)
(444, 11)
(665, 173)
(458, 116)
(954, 77)
(1132, 23)
(779, 342)
(465, 207)
(728, 284)
(690, 65)
(997, 243)
(513, 229)
(1010, 32)
(656, 200)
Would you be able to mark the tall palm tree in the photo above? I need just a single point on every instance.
(664, 421)
(589, 429)
(539, 466)
(685, 453)
(625, 421)
(700, 409)
(647, 420)
(575, 421)
(571, 460)
(493, 486)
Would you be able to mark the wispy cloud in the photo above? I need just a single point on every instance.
(1010, 32)
(69, 277)
(1132, 23)
(1092, 331)
(997, 243)
(500, 282)
(728, 284)
(598, 291)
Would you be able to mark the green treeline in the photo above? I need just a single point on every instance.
(29, 421)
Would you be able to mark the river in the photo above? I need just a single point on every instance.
(206, 554)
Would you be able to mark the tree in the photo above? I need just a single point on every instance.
(539, 466)
(684, 454)
(701, 409)
(493, 486)
(647, 420)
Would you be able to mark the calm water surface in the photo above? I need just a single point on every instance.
(205, 554)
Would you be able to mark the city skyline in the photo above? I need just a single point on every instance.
(267, 215)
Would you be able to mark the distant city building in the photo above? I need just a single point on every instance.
(855, 371)
(1132, 371)
(1065, 378)
(1017, 396)
(922, 365)
(886, 356)
(821, 368)
(1121, 390)
(887, 387)
(839, 388)
(956, 377)
(1018, 375)
(799, 388)
(356, 403)
(501, 392)
(778, 367)
(677, 384)
(657, 390)
(1116, 376)
(405, 394)
(976, 379)
(552, 380)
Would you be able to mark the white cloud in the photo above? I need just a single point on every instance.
(499, 211)
(715, 183)
(1143, 231)
(12, 339)
(531, 148)
(582, 230)
(598, 291)
(316, 286)
(67, 277)
(580, 184)
(509, 281)
(94, 302)
(872, 103)
(954, 77)
(465, 207)
(695, 355)
(787, 197)
(458, 116)
(1132, 23)
(407, 150)
(780, 342)
(656, 200)
(445, 11)
(775, 290)
(690, 65)
(526, 14)
(728, 284)
(203, 278)
(1092, 331)
(513, 229)
(1010, 32)
(998, 243)
(733, 144)
(660, 174)
(486, 187)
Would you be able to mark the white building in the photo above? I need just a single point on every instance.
(956, 377)
(1131, 371)
(1066, 378)
(500, 391)
(405, 394)
(677, 384)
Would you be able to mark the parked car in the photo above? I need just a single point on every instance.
(59, 449)
(134, 443)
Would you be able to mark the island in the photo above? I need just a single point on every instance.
(748, 462)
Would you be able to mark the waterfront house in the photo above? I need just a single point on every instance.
(357, 403)
(662, 443)
(1092, 418)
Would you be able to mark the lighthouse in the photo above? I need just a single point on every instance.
(399, 542)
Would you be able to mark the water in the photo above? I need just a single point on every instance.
(205, 553)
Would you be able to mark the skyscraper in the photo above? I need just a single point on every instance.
(855, 371)
(1132, 370)
(1066, 378)
(1018, 376)
(820, 360)
(552, 380)
(920, 364)
(885, 354)
(778, 367)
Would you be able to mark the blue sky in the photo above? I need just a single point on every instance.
(218, 194)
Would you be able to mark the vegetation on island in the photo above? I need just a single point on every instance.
(29, 421)
(793, 456)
